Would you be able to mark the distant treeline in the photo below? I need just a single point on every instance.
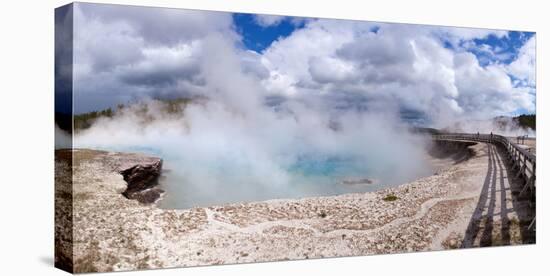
(85, 120)
(527, 121)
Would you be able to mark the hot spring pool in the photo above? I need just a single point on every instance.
(306, 177)
(200, 182)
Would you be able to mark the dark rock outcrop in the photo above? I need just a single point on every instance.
(459, 151)
(142, 181)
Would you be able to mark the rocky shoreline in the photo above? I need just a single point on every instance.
(113, 233)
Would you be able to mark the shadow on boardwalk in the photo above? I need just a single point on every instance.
(501, 217)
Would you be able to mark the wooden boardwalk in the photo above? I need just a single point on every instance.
(511, 168)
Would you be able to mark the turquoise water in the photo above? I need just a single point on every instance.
(194, 183)
(331, 167)
(306, 177)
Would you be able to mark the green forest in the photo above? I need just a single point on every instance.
(527, 121)
(85, 120)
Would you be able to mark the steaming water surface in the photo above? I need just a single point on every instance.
(215, 154)
(231, 181)
(308, 177)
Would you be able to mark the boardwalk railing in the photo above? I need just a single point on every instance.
(522, 161)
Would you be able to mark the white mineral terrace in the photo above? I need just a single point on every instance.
(468, 204)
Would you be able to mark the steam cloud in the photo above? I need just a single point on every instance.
(237, 146)
(506, 126)
(331, 89)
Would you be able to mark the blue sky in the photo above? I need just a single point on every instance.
(508, 47)
(505, 51)
(489, 50)
(125, 53)
(257, 37)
